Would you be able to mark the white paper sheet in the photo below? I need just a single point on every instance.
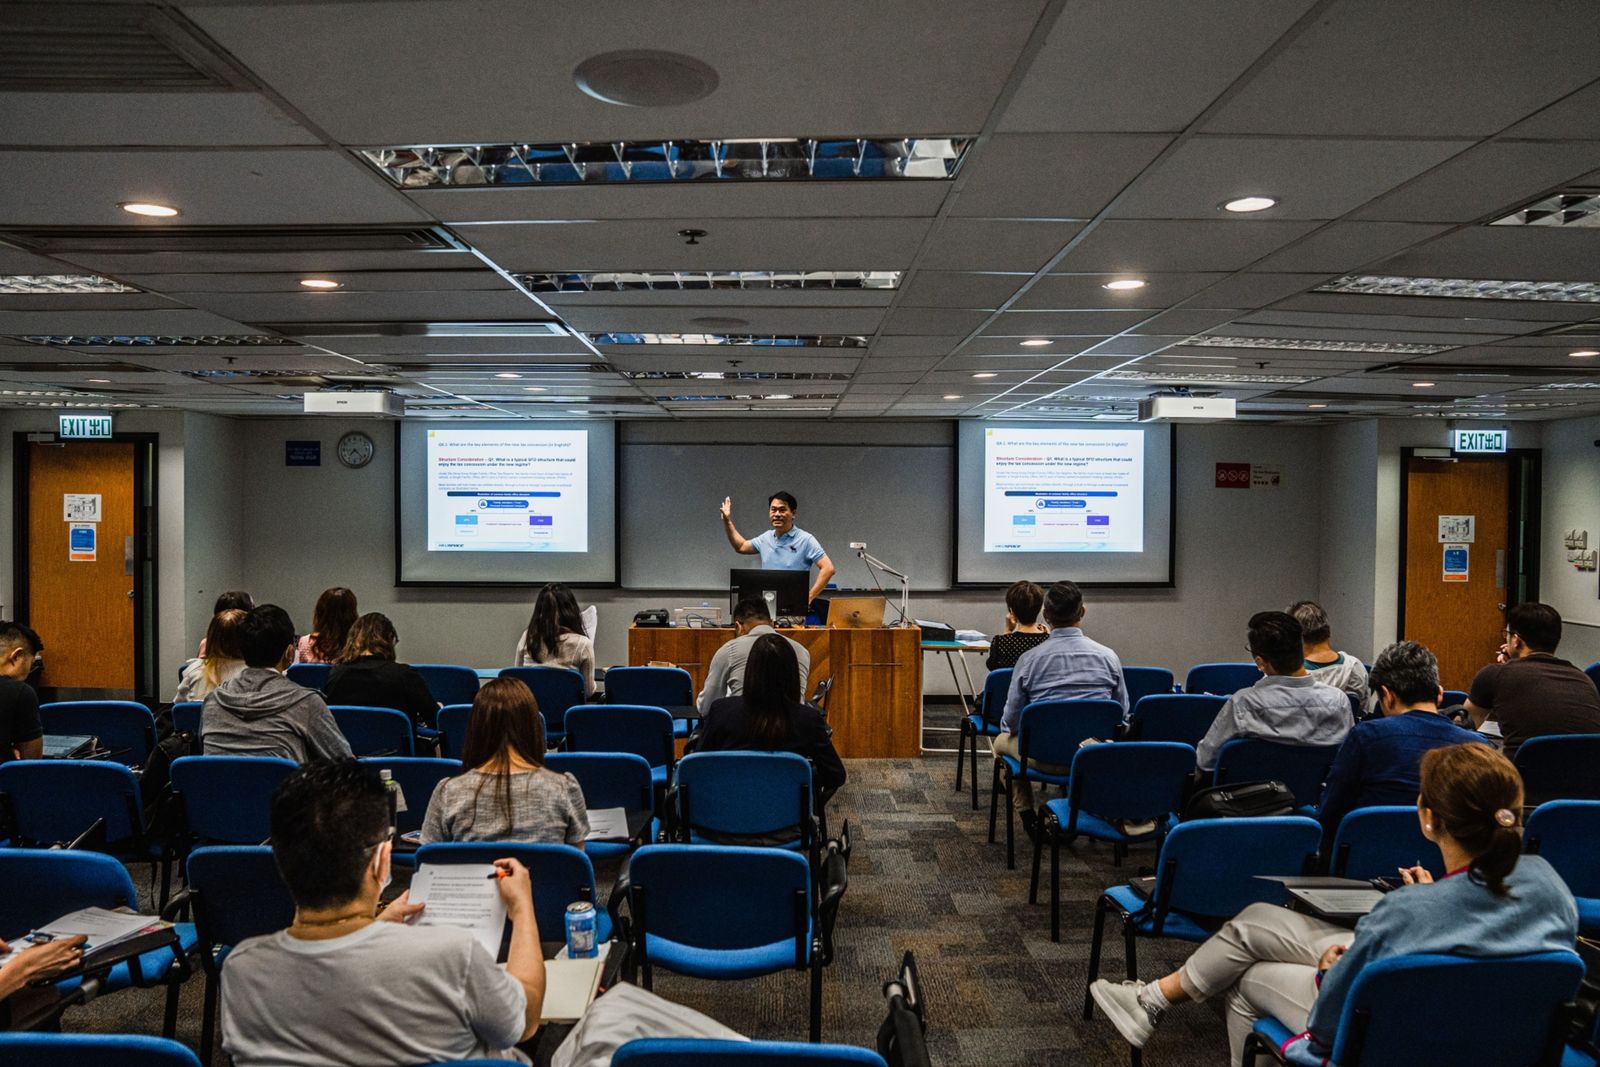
(462, 895)
(608, 824)
(101, 926)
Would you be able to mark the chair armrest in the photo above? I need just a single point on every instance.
(835, 879)
(177, 906)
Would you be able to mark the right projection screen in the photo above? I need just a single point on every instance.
(1086, 501)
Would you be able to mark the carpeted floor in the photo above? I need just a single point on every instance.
(923, 878)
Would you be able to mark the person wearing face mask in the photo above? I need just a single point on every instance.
(21, 733)
(350, 983)
(785, 547)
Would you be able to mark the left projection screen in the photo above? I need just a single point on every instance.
(493, 502)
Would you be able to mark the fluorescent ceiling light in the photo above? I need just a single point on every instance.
(1584, 353)
(1465, 288)
(1249, 203)
(1037, 342)
(507, 374)
(1125, 283)
(534, 389)
(628, 281)
(987, 374)
(737, 376)
(1422, 385)
(613, 162)
(952, 396)
(736, 339)
(492, 329)
(1574, 207)
(1299, 344)
(99, 381)
(153, 211)
(59, 284)
(1316, 407)
(144, 340)
(320, 283)
(1209, 376)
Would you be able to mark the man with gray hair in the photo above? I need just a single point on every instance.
(1380, 761)
(1325, 663)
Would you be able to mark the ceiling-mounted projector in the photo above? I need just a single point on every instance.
(1186, 409)
(365, 403)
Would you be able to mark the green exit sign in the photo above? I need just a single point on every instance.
(79, 427)
(1478, 440)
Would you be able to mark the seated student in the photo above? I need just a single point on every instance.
(31, 963)
(224, 658)
(1068, 666)
(366, 673)
(331, 620)
(21, 733)
(349, 984)
(35, 676)
(768, 716)
(1381, 759)
(1023, 602)
(505, 792)
(1527, 690)
(1270, 961)
(1338, 669)
(232, 600)
(1287, 705)
(725, 672)
(260, 712)
(555, 637)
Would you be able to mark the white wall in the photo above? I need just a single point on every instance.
(213, 522)
(1349, 483)
(1571, 500)
(304, 529)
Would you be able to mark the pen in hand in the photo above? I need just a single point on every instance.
(502, 873)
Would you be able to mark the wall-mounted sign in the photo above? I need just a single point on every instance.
(92, 427)
(80, 507)
(1477, 440)
(1455, 563)
(302, 453)
(81, 542)
(1265, 476)
(1233, 475)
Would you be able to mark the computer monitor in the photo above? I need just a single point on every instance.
(786, 592)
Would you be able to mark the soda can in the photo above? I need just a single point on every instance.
(581, 921)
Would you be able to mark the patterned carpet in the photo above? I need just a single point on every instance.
(923, 878)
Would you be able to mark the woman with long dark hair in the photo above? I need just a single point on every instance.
(769, 717)
(505, 792)
(1269, 961)
(367, 672)
(331, 620)
(555, 637)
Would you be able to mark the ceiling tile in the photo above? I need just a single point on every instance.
(1084, 172)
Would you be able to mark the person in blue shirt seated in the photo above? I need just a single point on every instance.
(1269, 961)
(785, 547)
(1380, 761)
(1067, 666)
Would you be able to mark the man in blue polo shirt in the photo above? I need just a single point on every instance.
(785, 547)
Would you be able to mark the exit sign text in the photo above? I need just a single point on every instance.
(1478, 441)
(81, 426)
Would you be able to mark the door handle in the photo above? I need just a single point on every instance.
(130, 594)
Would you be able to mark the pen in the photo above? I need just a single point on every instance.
(499, 874)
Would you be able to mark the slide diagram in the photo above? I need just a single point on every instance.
(1065, 490)
(508, 491)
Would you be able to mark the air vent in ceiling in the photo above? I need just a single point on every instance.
(1473, 370)
(416, 329)
(147, 340)
(105, 48)
(60, 240)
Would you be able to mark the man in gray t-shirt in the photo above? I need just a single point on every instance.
(725, 672)
(345, 986)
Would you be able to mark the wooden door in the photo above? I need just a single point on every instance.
(82, 608)
(1460, 616)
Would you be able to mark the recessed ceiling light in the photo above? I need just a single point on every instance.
(952, 396)
(1466, 288)
(611, 281)
(1246, 204)
(154, 211)
(1305, 344)
(59, 285)
(577, 411)
(507, 374)
(1316, 405)
(711, 339)
(986, 374)
(1125, 283)
(641, 77)
(534, 389)
(1574, 207)
(1037, 342)
(1422, 385)
(99, 381)
(1584, 353)
(780, 396)
(320, 283)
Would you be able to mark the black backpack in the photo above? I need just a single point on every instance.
(1243, 800)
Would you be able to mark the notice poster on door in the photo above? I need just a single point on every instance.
(1457, 529)
(81, 542)
(80, 507)
(1455, 563)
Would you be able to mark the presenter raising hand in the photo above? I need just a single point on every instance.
(784, 547)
